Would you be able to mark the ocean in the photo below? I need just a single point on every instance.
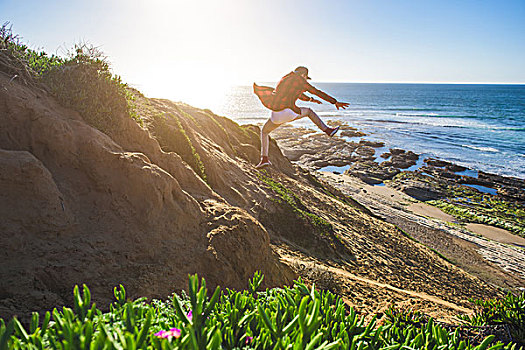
(475, 125)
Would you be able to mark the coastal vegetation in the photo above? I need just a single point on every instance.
(298, 317)
(286, 196)
(470, 205)
(509, 311)
(81, 80)
(173, 138)
(478, 215)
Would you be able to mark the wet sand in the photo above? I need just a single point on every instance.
(490, 232)
(496, 234)
(428, 210)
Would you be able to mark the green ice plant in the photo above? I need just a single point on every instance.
(297, 317)
(255, 283)
(509, 310)
(198, 336)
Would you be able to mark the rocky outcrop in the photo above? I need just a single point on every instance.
(420, 190)
(399, 158)
(375, 144)
(439, 163)
(371, 172)
(314, 150)
(365, 151)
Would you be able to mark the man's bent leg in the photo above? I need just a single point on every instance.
(314, 118)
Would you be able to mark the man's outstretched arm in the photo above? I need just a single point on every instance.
(304, 97)
(321, 94)
(325, 97)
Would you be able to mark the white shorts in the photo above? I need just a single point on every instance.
(287, 115)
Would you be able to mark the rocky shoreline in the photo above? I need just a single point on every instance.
(373, 163)
(475, 204)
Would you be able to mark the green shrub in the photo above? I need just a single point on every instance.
(85, 83)
(81, 81)
(19, 61)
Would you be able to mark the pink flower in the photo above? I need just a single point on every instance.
(249, 339)
(190, 315)
(173, 332)
(161, 334)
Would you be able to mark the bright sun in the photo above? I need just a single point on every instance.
(193, 61)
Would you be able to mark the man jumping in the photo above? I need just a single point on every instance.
(281, 101)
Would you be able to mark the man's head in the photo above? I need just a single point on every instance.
(302, 71)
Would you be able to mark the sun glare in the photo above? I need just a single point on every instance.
(194, 61)
(190, 82)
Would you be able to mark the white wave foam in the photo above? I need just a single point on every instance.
(404, 114)
(484, 149)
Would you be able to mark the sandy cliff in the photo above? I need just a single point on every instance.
(77, 206)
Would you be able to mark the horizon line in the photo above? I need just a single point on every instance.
(413, 82)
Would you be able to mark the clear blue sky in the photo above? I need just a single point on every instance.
(172, 48)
